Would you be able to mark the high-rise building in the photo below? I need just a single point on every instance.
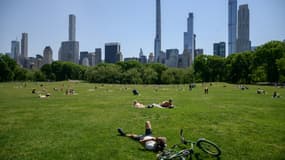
(47, 59)
(157, 40)
(199, 51)
(91, 58)
(189, 38)
(112, 52)
(98, 56)
(142, 57)
(69, 50)
(172, 57)
(24, 45)
(220, 49)
(15, 50)
(150, 58)
(232, 26)
(72, 29)
(83, 55)
(243, 42)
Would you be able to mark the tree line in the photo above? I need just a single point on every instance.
(265, 64)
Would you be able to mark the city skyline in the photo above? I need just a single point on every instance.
(133, 25)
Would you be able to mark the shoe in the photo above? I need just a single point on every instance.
(121, 132)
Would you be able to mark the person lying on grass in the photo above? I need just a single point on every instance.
(149, 142)
(136, 104)
(164, 104)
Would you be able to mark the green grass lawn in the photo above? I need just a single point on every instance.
(245, 125)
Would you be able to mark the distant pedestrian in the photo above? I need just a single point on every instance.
(135, 92)
(206, 90)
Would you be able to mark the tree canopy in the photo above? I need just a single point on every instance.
(265, 64)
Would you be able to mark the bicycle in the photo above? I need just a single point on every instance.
(205, 145)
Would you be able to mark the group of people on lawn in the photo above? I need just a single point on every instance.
(149, 141)
(164, 104)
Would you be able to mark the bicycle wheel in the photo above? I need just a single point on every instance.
(209, 147)
(170, 155)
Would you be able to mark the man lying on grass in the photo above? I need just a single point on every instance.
(147, 140)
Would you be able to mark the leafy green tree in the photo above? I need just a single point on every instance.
(129, 65)
(216, 66)
(132, 76)
(104, 73)
(7, 67)
(173, 76)
(39, 76)
(21, 74)
(239, 67)
(267, 56)
(149, 75)
(281, 69)
(201, 68)
(47, 71)
(158, 68)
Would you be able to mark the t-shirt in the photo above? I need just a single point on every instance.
(149, 145)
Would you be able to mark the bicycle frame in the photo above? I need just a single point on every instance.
(202, 143)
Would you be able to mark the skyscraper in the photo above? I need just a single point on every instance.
(98, 56)
(24, 45)
(220, 49)
(69, 50)
(172, 57)
(232, 30)
(157, 40)
(112, 52)
(72, 22)
(189, 39)
(47, 59)
(15, 50)
(243, 42)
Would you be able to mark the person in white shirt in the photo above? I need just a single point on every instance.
(147, 140)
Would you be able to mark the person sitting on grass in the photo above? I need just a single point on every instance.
(149, 142)
(136, 92)
(164, 104)
(275, 95)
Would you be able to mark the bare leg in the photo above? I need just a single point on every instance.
(147, 125)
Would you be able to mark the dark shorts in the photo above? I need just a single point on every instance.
(148, 132)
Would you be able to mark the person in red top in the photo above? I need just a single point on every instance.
(164, 104)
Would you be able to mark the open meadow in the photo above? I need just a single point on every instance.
(245, 125)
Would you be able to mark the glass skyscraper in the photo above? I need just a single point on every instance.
(157, 40)
(232, 30)
(243, 42)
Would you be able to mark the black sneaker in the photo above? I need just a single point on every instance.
(122, 133)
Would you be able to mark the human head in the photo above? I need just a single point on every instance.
(160, 143)
(135, 102)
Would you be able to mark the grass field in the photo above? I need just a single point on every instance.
(245, 125)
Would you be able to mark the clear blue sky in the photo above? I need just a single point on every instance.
(132, 23)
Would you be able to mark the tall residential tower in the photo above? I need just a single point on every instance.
(15, 50)
(243, 42)
(157, 40)
(72, 22)
(232, 30)
(69, 50)
(189, 38)
(24, 45)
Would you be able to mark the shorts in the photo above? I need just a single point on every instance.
(148, 132)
